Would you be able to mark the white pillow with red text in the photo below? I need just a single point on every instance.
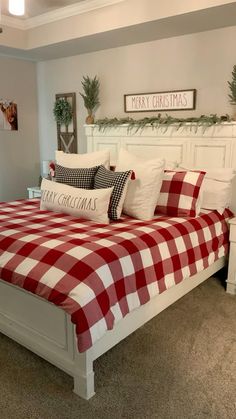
(142, 193)
(91, 204)
(75, 161)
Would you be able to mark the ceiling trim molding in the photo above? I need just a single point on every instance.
(13, 22)
(57, 14)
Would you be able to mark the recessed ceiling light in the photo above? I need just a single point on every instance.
(17, 7)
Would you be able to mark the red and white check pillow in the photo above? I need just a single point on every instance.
(179, 193)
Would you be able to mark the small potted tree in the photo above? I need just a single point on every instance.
(232, 88)
(90, 96)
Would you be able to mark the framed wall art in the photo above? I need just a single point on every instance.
(174, 100)
(8, 115)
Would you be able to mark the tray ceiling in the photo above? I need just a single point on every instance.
(70, 29)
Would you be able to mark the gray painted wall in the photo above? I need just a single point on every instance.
(19, 150)
(203, 61)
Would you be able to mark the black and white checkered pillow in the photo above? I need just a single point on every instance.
(105, 179)
(79, 178)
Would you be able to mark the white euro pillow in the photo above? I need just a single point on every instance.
(75, 161)
(90, 204)
(216, 195)
(142, 193)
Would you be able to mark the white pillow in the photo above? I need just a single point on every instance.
(75, 161)
(170, 165)
(142, 194)
(216, 189)
(222, 174)
(91, 204)
(216, 195)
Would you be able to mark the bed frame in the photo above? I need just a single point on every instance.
(47, 330)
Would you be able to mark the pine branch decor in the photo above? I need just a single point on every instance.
(160, 121)
(232, 87)
(90, 96)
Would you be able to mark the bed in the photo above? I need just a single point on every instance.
(43, 327)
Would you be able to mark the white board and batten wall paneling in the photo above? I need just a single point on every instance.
(210, 147)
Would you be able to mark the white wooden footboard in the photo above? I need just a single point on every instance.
(46, 330)
(38, 325)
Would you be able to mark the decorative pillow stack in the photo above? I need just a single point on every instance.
(83, 160)
(79, 178)
(176, 192)
(76, 171)
(81, 203)
(180, 193)
(119, 180)
(142, 193)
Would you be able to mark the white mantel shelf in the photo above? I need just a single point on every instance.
(225, 129)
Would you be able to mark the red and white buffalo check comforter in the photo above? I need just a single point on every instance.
(99, 273)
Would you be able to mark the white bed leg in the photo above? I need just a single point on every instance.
(231, 280)
(84, 375)
(231, 288)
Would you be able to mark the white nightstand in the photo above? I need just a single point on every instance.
(34, 192)
(231, 280)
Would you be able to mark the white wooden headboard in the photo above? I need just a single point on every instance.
(211, 147)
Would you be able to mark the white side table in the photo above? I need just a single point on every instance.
(34, 192)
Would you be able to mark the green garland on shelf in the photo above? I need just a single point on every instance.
(160, 121)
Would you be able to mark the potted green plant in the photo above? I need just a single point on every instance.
(62, 111)
(90, 96)
(232, 88)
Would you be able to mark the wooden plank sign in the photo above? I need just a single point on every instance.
(160, 101)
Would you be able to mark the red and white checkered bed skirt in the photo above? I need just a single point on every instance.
(99, 273)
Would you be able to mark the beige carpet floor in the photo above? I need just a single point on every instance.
(182, 364)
